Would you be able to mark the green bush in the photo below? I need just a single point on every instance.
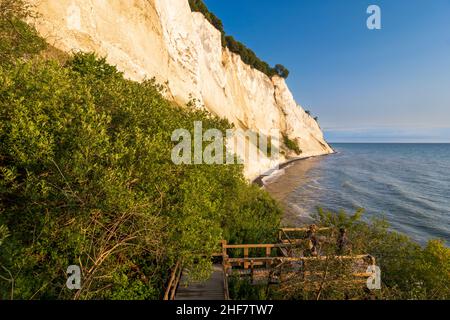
(86, 178)
(86, 174)
(17, 39)
(409, 271)
(291, 145)
(244, 289)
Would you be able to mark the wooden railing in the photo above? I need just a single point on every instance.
(246, 265)
(246, 261)
(283, 234)
(226, 290)
(267, 258)
(257, 261)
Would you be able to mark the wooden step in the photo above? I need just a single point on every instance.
(212, 289)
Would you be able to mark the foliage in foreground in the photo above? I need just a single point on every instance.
(408, 270)
(86, 179)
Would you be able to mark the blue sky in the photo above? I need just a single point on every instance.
(388, 85)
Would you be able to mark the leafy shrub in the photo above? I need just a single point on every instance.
(17, 39)
(409, 271)
(244, 289)
(4, 233)
(291, 145)
(86, 178)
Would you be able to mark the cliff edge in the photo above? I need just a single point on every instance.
(165, 40)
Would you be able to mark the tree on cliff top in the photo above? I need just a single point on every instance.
(282, 71)
(247, 55)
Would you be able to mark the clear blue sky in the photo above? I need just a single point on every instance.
(389, 85)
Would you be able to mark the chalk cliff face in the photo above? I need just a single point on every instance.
(165, 40)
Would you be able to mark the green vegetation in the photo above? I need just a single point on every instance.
(17, 39)
(309, 114)
(86, 178)
(291, 145)
(282, 71)
(408, 270)
(243, 289)
(199, 6)
(247, 55)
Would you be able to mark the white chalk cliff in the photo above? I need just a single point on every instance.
(165, 40)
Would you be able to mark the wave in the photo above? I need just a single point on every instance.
(407, 185)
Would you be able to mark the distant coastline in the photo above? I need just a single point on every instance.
(259, 180)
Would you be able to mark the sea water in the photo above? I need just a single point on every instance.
(407, 184)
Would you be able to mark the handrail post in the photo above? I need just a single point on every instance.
(225, 269)
(225, 256)
(252, 271)
(245, 257)
(225, 284)
(224, 247)
(268, 254)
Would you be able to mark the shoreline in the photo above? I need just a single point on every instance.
(259, 180)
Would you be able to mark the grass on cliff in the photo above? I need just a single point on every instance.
(86, 179)
(292, 145)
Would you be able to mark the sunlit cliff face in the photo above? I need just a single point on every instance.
(165, 40)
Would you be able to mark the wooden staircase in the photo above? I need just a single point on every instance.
(213, 289)
(262, 268)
